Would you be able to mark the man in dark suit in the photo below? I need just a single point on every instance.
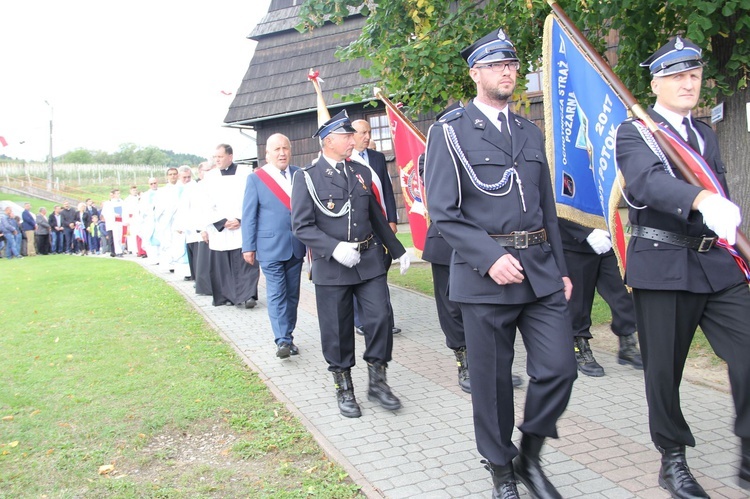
(490, 196)
(267, 237)
(680, 277)
(68, 215)
(336, 215)
(382, 184)
(592, 265)
(57, 230)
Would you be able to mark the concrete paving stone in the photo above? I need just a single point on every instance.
(404, 492)
(408, 478)
(608, 453)
(435, 452)
(457, 491)
(594, 486)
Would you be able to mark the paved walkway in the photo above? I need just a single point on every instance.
(427, 449)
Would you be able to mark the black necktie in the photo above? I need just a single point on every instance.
(340, 168)
(692, 138)
(283, 174)
(505, 132)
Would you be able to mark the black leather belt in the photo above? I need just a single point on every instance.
(701, 244)
(520, 239)
(367, 243)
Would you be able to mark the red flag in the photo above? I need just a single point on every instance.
(3, 142)
(408, 144)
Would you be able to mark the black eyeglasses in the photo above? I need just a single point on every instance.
(499, 67)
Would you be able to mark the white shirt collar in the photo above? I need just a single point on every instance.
(491, 113)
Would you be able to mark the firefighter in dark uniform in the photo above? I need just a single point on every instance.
(681, 277)
(438, 253)
(592, 265)
(490, 196)
(335, 214)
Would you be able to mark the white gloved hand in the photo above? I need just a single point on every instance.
(346, 254)
(600, 241)
(721, 216)
(404, 261)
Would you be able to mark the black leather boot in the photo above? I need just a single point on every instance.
(629, 353)
(379, 389)
(675, 475)
(587, 364)
(745, 464)
(503, 480)
(529, 469)
(345, 394)
(462, 361)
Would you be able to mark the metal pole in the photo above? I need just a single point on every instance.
(51, 164)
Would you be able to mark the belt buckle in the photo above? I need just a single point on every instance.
(522, 236)
(706, 244)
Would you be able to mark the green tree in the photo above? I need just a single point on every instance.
(78, 156)
(413, 47)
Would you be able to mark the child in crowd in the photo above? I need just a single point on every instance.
(103, 237)
(95, 236)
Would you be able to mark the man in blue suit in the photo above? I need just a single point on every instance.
(267, 236)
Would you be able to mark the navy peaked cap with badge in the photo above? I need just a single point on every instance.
(490, 48)
(676, 56)
(339, 124)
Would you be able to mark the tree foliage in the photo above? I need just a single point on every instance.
(414, 45)
(130, 154)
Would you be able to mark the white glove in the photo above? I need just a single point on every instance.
(346, 254)
(404, 261)
(600, 241)
(721, 216)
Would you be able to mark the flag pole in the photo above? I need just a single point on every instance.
(390, 105)
(742, 243)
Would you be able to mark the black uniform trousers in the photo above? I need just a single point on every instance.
(666, 325)
(358, 311)
(550, 364)
(449, 312)
(590, 272)
(336, 319)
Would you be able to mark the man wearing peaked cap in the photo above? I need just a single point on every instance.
(490, 196)
(339, 124)
(681, 277)
(335, 214)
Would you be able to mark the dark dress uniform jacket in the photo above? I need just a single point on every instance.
(321, 233)
(661, 266)
(466, 216)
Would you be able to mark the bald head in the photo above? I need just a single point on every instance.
(362, 135)
(278, 151)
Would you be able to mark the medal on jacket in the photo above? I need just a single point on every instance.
(361, 181)
(331, 205)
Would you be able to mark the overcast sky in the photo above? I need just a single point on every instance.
(149, 72)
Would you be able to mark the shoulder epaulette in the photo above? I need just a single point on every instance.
(451, 115)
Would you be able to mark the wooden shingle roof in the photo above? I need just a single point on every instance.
(276, 85)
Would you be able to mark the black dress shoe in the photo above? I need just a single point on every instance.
(503, 480)
(283, 350)
(247, 304)
(293, 350)
(359, 330)
(529, 470)
(587, 364)
(188, 278)
(744, 476)
(396, 330)
(628, 353)
(675, 476)
(517, 381)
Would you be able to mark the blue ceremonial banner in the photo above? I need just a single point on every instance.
(581, 114)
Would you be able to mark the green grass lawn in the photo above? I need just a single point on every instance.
(104, 362)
